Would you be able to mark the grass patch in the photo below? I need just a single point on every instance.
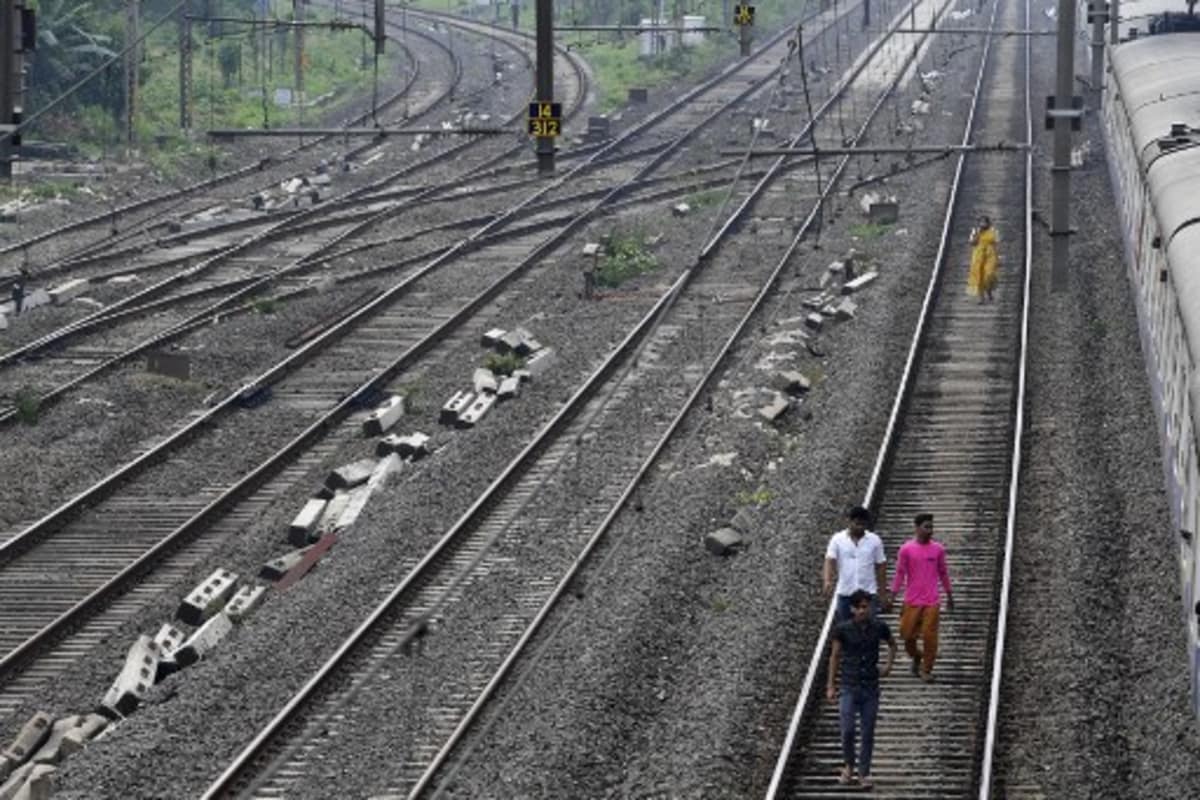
(759, 497)
(625, 256)
(869, 230)
(28, 404)
(265, 305)
(505, 364)
(709, 197)
(720, 603)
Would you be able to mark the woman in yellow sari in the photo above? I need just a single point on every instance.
(985, 262)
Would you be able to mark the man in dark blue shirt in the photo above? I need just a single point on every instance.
(855, 654)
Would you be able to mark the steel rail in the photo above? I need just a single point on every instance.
(884, 453)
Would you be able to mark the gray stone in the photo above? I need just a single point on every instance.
(31, 736)
(457, 404)
(351, 475)
(306, 521)
(476, 411)
(207, 598)
(385, 415)
(859, 283)
(774, 410)
(814, 321)
(743, 521)
(245, 601)
(206, 637)
(484, 381)
(723, 541)
(51, 751)
(681, 209)
(136, 677)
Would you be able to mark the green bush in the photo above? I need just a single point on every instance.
(625, 257)
(28, 405)
(505, 364)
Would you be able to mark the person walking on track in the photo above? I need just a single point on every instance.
(921, 564)
(854, 659)
(856, 555)
(985, 261)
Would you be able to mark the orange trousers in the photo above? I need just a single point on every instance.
(920, 621)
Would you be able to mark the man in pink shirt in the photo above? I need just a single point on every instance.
(922, 564)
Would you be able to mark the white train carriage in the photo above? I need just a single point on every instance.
(1152, 129)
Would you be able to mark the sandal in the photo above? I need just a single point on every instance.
(846, 776)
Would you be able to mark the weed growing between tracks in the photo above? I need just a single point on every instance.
(505, 364)
(28, 405)
(626, 255)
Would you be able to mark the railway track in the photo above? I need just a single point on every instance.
(952, 448)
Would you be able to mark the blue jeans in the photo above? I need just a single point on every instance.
(843, 608)
(863, 702)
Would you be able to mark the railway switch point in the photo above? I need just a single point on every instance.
(206, 637)
(476, 411)
(456, 405)
(306, 521)
(723, 542)
(244, 601)
(207, 598)
(484, 381)
(51, 751)
(351, 475)
(384, 416)
(31, 736)
(135, 679)
(859, 283)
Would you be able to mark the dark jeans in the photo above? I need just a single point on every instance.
(843, 608)
(862, 702)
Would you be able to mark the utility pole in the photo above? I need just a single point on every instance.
(10, 77)
(298, 16)
(131, 62)
(544, 11)
(185, 66)
(1114, 22)
(1097, 15)
(1063, 115)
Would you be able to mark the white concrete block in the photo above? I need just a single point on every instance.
(204, 639)
(457, 404)
(351, 475)
(540, 362)
(306, 521)
(75, 739)
(169, 638)
(38, 784)
(387, 414)
(244, 601)
(493, 338)
(329, 520)
(16, 782)
(136, 677)
(476, 411)
(6, 767)
(510, 387)
(65, 291)
(772, 411)
(526, 344)
(793, 382)
(3, 322)
(51, 751)
(36, 298)
(207, 598)
(814, 321)
(723, 542)
(276, 568)
(859, 283)
(681, 209)
(484, 381)
(359, 497)
(31, 736)
(523, 375)
(845, 309)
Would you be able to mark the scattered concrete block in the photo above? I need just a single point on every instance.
(329, 520)
(591, 249)
(845, 309)
(77, 737)
(207, 598)
(743, 521)
(38, 784)
(351, 475)
(541, 361)
(6, 767)
(456, 405)
(509, 388)
(66, 291)
(415, 445)
(860, 283)
(792, 382)
(815, 302)
(681, 209)
(35, 299)
(723, 541)
(276, 568)
(169, 638)
(135, 678)
(774, 410)
(484, 381)
(206, 637)
(16, 782)
(31, 736)
(523, 375)
(244, 601)
(306, 521)
(476, 411)
(814, 321)
(3, 322)
(51, 751)
(884, 213)
(493, 338)
(359, 497)
(526, 344)
(867, 200)
(384, 416)
(311, 556)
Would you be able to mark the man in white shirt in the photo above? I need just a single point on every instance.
(856, 556)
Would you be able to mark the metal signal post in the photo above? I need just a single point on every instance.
(743, 17)
(544, 11)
